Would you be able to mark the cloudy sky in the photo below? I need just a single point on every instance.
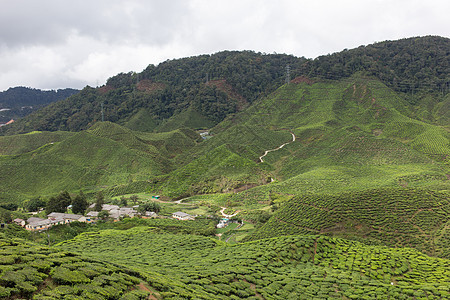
(50, 44)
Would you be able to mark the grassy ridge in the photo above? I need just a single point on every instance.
(296, 267)
(395, 217)
(23, 143)
(353, 134)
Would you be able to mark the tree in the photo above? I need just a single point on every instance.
(100, 201)
(123, 201)
(150, 206)
(9, 206)
(103, 215)
(35, 204)
(79, 204)
(134, 198)
(58, 203)
(5, 216)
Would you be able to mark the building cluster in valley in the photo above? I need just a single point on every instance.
(114, 212)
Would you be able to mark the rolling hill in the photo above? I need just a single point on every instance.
(106, 155)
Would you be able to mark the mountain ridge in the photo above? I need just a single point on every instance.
(220, 84)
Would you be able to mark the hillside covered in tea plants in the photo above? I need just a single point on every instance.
(338, 179)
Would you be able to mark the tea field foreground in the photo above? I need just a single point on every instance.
(290, 267)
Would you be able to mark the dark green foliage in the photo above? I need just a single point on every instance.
(58, 203)
(103, 215)
(5, 216)
(100, 200)
(123, 201)
(409, 65)
(150, 206)
(166, 90)
(35, 204)
(22, 101)
(79, 204)
(9, 206)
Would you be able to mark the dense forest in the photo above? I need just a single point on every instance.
(18, 102)
(409, 65)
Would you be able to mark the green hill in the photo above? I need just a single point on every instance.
(23, 143)
(187, 118)
(394, 217)
(350, 134)
(213, 85)
(141, 121)
(104, 156)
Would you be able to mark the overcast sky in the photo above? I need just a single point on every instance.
(50, 44)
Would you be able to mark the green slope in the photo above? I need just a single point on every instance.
(22, 143)
(105, 156)
(296, 267)
(395, 217)
(188, 118)
(141, 121)
(353, 133)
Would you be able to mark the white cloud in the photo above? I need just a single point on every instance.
(60, 43)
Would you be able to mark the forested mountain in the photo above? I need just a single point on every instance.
(20, 101)
(211, 85)
(214, 86)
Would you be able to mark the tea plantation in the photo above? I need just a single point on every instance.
(295, 267)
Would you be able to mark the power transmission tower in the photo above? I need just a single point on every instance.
(288, 73)
(103, 114)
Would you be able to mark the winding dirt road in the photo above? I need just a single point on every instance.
(267, 151)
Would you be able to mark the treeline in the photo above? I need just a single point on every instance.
(410, 65)
(21, 101)
(17, 97)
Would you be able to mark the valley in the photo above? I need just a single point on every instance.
(340, 179)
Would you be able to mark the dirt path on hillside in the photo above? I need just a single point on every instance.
(222, 211)
(144, 288)
(267, 151)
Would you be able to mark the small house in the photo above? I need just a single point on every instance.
(149, 215)
(67, 218)
(179, 215)
(37, 224)
(19, 222)
(91, 216)
(223, 223)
